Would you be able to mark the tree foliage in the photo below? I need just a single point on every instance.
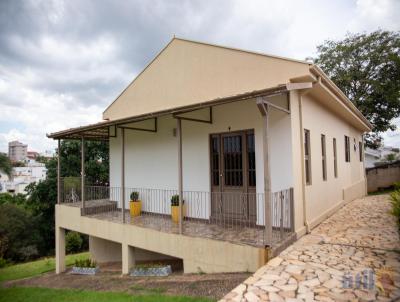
(366, 67)
(18, 235)
(96, 160)
(27, 221)
(43, 195)
(5, 165)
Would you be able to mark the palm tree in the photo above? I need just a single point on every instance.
(5, 165)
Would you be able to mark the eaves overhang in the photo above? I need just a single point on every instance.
(106, 129)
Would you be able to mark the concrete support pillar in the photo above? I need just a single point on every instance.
(60, 250)
(128, 258)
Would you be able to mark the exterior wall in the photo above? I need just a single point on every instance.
(103, 251)
(187, 73)
(323, 197)
(198, 254)
(151, 158)
(17, 151)
(383, 176)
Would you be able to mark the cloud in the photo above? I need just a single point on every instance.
(63, 62)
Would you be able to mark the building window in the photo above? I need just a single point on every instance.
(251, 158)
(323, 152)
(347, 148)
(215, 160)
(360, 150)
(334, 158)
(307, 156)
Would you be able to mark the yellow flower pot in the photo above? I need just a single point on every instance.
(135, 208)
(175, 213)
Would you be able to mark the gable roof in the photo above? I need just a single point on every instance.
(187, 72)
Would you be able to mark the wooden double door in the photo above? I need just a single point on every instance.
(233, 177)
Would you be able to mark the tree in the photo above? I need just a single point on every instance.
(96, 160)
(43, 195)
(366, 67)
(391, 157)
(18, 233)
(5, 165)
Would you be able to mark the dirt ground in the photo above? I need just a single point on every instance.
(214, 286)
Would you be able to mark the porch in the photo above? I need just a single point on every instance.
(104, 203)
(229, 162)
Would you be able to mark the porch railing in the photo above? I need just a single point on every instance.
(231, 216)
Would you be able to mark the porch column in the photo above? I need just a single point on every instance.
(180, 181)
(60, 250)
(264, 109)
(123, 174)
(58, 173)
(83, 174)
(128, 258)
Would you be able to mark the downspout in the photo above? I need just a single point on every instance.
(303, 179)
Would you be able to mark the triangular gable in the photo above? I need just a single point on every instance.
(186, 73)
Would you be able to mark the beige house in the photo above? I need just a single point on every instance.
(260, 148)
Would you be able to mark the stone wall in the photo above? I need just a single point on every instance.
(383, 176)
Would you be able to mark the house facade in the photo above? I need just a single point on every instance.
(260, 149)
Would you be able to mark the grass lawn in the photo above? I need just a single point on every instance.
(19, 294)
(34, 268)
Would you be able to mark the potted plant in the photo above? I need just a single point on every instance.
(135, 205)
(85, 267)
(175, 208)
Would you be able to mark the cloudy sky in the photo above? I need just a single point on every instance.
(63, 62)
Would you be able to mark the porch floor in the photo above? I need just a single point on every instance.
(241, 234)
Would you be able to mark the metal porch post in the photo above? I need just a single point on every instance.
(267, 179)
(180, 182)
(264, 109)
(123, 173)
(58, 173)
(83, 174)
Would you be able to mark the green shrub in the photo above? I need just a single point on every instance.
(396, 186)
(19, 235)
(135, 196)
(175, 200)
(3, 262)
(73, 242)
(87, 262)
(395, 200)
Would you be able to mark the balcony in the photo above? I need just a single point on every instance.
(234, 217)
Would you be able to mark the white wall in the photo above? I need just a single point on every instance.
(321, 195)
(151, 158)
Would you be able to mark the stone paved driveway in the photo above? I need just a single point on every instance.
(352, 256)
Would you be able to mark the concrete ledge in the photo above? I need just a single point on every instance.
(198, 254)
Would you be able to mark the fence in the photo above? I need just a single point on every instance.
(232, 216)
(383, 176)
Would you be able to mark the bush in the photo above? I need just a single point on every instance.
(175, 200)
(19, 236)
(135, 196)
(395, 200)
(3, 262)
(85, 263)
(73, 242)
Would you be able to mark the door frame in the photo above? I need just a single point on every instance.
(245, 166)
